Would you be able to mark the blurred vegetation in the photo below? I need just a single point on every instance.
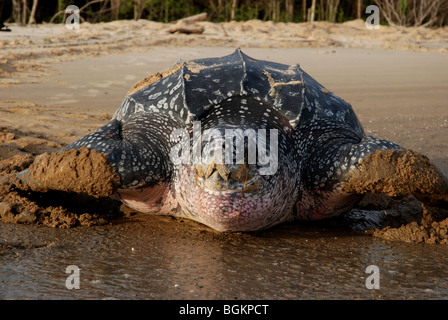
(431, 13)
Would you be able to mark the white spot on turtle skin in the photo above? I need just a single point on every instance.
(199, 90)
(177, 86)
(217, 93)
(139, 107)
(154, 96)
(165, 80)
(150, 89)
(173, 100)
(162, 103)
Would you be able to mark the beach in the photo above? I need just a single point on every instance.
(57, 85)
(394, 77)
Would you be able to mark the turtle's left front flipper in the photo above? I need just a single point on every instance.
(397, 173)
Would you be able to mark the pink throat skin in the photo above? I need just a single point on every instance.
(228, 210)
(155, 200)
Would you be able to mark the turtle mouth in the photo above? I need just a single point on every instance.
(242, 179)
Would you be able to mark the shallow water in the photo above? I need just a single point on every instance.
(164, 258)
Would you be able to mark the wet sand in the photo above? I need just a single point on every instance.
(398, 90)
(163, 258)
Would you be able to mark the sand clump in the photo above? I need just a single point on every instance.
(15, 164)
(13, 158)
(59, 189)
(82, 171)
(430, 229)
(53, 209)
(154, 78)
(398, 173)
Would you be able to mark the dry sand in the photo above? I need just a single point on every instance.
(28, 50)
(57, 85)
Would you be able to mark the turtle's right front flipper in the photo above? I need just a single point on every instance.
(133, 155)
(138, 148)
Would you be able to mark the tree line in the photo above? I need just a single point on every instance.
(430, 13)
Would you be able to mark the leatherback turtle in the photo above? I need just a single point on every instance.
(237, 144)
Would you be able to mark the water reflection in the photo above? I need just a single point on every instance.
(163, 258)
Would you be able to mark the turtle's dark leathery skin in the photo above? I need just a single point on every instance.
(319, 141)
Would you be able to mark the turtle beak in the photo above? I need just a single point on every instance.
(222, 177)
(229, 162)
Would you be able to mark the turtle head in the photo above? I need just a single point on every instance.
(240, 173)
(234, 158)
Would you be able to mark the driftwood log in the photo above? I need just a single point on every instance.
(188, 25)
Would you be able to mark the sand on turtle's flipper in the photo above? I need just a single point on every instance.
(152, 78)
(398, 173)
(432, 228)
(82, 171)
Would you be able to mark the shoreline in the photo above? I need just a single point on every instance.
(28, 50)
